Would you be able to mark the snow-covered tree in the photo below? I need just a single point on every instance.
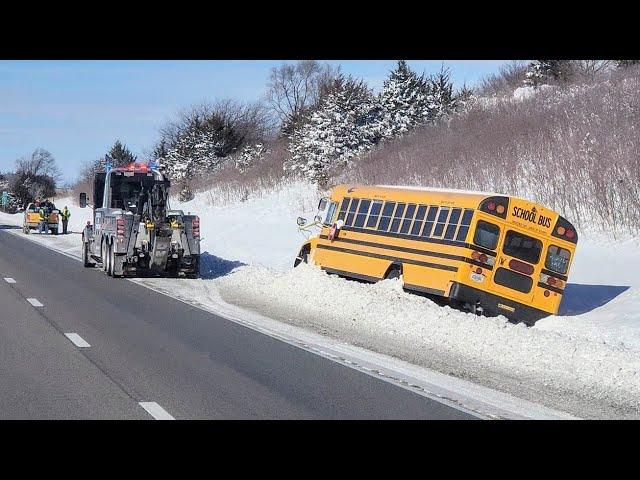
(408, 100)
(404, 100)
(346, 124)
(544, 72)
(206, 137)
(249, 156)
(200, 146)
(441, 99)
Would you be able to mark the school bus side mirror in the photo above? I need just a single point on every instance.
(301, 221)
(83, 200)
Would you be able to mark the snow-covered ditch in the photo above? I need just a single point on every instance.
(585, 361)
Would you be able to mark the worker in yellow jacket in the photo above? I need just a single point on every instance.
(42, 216)
(66, 215)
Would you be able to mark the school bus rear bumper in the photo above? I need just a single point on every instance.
(495, 305)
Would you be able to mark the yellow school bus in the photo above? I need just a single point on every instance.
(488, 253)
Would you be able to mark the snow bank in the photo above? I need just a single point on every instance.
(261, 230)
(526, 92)
(546, 365)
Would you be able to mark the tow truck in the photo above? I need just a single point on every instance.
(134, 231)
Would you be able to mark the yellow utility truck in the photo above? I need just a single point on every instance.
(32, 218)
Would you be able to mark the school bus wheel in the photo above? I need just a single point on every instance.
(303, 256)
(394, 271)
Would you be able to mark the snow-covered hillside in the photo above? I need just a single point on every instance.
(585, 361)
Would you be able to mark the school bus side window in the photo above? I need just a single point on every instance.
(374, 214)
(343, 208)
(486, 235)
(352, 211)
(464, 225)
(557, 259)
(362, 213)
(385, 218)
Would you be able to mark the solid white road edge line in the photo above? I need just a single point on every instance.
(462, 394)
(9, 280)
(156, 411)
(77, 340)
(35, 302)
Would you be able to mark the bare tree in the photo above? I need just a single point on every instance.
(293, 89)
(590, 69)
(508, 78)
(40, 163)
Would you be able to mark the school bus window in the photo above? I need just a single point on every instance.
(464, 225)
(408, 218)
(395, 224)
(431, 216)
(513, 280)
(385, 219)
(557, 259)
(442, 220)
(417, 223)
(486, 235)
(343, 208)
(331, 211)
(522, 247)
(374, 214)
(352, 211)
(453, 223)
(362, 213)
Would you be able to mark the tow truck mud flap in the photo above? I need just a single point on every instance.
(160, 252)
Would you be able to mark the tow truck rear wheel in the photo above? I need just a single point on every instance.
(104, 252)
(110, 260)
(113, 260)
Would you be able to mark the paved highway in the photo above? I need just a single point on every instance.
(138, 354)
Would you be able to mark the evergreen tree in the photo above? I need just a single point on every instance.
(409, 100)
(201, 146)
(345, 125)
(543, 72)
(440, 100)
(120, 155)
(404, 100)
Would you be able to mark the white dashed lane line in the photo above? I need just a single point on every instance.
(77, 340)
(9, 280)
(35, 302)
(156, 411)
